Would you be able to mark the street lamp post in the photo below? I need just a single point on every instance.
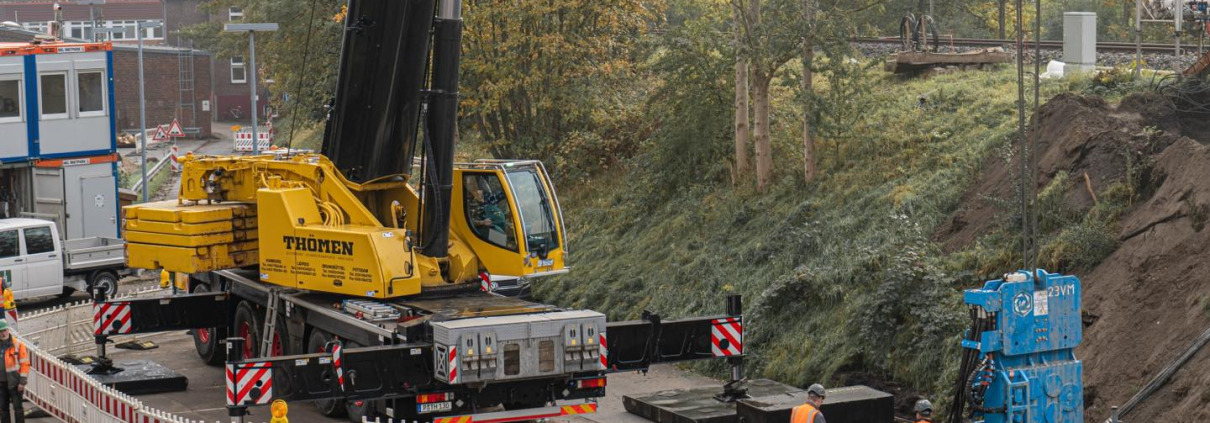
(139, 27)
(251, 29)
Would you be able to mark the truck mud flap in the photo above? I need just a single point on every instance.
(144, 315)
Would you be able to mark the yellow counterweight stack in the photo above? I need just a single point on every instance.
(190, 239)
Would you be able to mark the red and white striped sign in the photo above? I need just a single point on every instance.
(604, 351)
(176, 163)
(111, 318)
(453, 363)
(337, 362)
(250, 384)
(727, 337)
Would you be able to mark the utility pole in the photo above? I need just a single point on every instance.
(139, 27)
(251, 29)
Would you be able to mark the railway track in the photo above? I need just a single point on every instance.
(1049, 45)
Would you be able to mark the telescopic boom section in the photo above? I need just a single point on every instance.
(383, 96)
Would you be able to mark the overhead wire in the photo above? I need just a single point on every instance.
(302, 76)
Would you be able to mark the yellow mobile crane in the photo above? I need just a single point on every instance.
(318, 231)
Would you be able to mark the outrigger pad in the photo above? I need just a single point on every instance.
(698, 405)
(139, 377)
(850, 404)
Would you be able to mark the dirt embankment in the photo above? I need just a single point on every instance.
(1146, 302)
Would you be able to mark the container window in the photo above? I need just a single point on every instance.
(512, 359)
(38, 240)
(546, 356)
(54, 95)
(92, 93)
(8, 244)
(10, 100)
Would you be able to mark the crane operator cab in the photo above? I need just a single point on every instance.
(508, 214)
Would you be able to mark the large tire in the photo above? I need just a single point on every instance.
(208, 342)
(104, 281)
(327, 407)
(357, 410)
(248, 326)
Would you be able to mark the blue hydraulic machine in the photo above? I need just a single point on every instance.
(1018, 362)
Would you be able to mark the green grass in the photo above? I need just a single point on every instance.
(841, 278)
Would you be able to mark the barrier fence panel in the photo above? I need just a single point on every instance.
(71, 395)
(68, 329)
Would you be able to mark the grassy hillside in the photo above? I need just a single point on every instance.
(843, 280)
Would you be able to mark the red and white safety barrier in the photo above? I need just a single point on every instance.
(176, 163)
(243, 139)
(71, 395)
(69, 329)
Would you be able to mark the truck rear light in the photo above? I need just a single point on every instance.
(590, 383)
(436, 397)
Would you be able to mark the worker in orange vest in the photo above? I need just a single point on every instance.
(924, 411)
(15, 375)
(809, 412)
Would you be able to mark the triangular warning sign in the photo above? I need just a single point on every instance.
(175, 130)
(161, 134)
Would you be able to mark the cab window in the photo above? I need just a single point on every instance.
(38, 240)
(8, 244)
(488, 211)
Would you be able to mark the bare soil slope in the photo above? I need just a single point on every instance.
(1146, 302)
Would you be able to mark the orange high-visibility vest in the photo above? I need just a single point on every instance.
(804, 414)
(16, 362)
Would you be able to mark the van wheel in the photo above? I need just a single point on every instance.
(208, 342)
(248, 326)
(106, 282)
(327, 407)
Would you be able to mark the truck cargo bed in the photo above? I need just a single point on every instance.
(93, 253)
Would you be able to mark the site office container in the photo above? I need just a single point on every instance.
(57, 136)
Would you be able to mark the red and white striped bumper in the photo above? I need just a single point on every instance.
(521, 415)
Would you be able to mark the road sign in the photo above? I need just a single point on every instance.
(175, 130)
(161, 134)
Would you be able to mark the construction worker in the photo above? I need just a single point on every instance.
(809, 412)
(924, 411)
(15, 375)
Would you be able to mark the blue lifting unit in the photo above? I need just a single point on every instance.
(1026, 370)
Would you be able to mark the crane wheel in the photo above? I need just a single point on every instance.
(248, 326)
(327, 407)
(208, 342)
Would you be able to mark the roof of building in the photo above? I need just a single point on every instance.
(43, 10)
(11, 38)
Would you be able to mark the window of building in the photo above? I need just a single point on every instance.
(77, 29)
(39, 27)
(91, 86)
(156, 33)
(235, 13)
(10, 99)
(38, 240)
(54, 95)
(239, 71)
(8, 244)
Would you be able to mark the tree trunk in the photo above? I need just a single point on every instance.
(742, 130)
(808, 141)
(760, 131)
(808, 88)
(1003, 35)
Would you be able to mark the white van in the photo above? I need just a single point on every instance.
(34, 262)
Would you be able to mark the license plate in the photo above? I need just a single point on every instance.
(546, 263)
(434, 407)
